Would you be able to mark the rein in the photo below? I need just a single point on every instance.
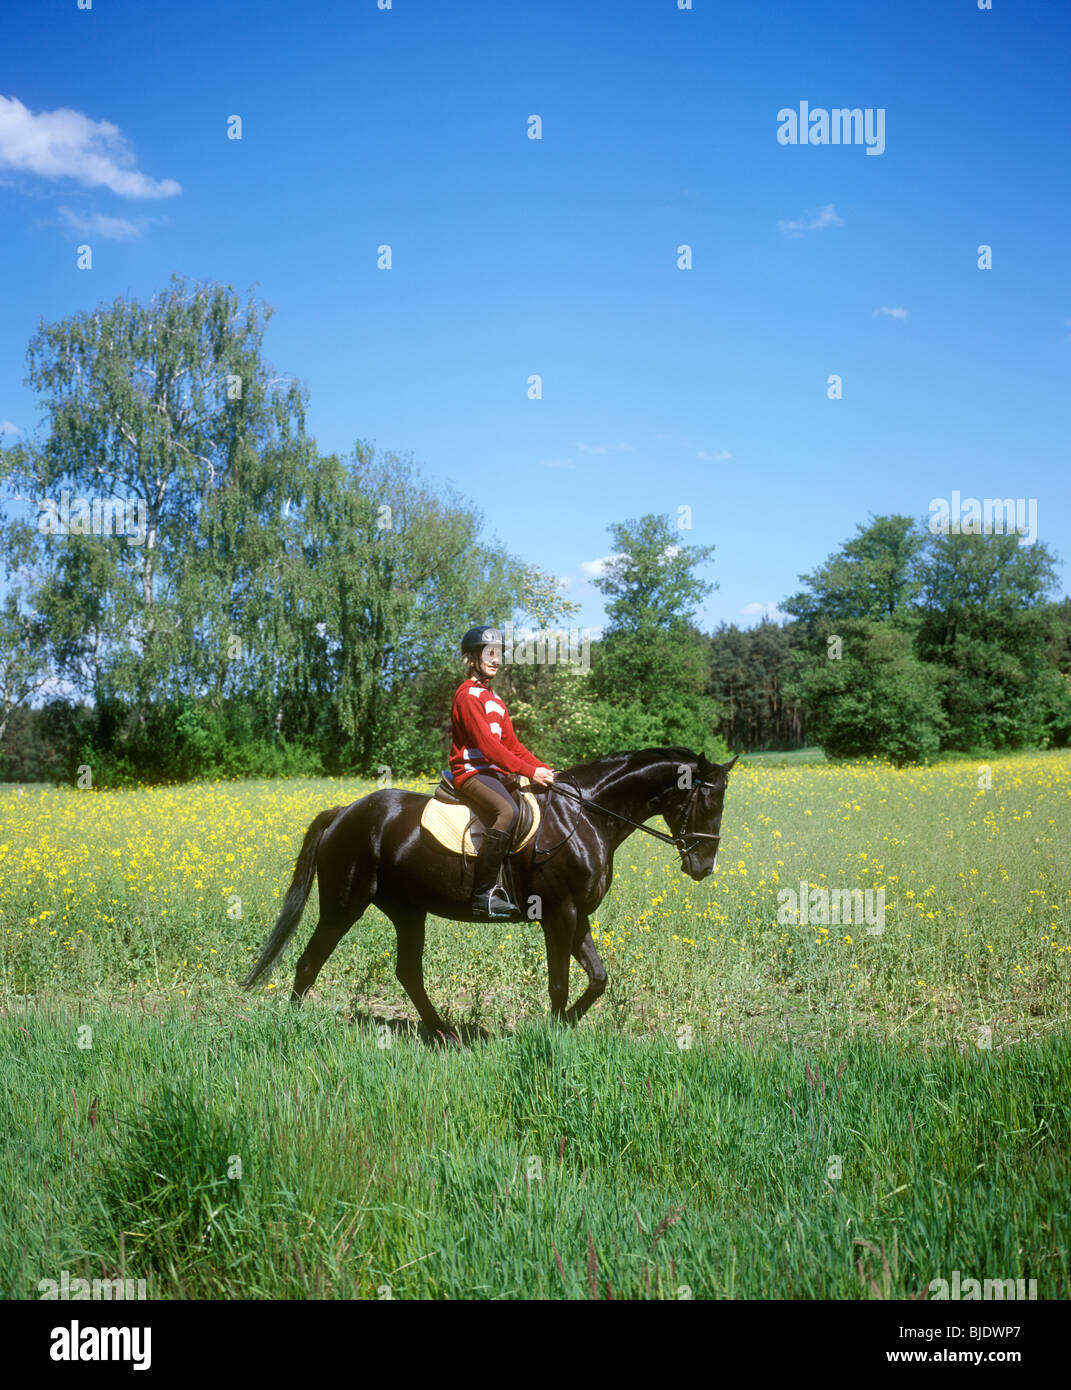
(679, 842)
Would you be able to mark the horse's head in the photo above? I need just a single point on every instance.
(695, 817)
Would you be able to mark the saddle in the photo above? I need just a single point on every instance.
(457, 827)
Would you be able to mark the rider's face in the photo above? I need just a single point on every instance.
(490, 660)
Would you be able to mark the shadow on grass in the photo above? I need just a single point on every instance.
(387, 1027)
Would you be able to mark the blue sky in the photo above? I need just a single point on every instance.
(662, 387)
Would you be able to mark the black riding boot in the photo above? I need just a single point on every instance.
(491, 904)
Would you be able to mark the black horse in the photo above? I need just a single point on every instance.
(374, 851)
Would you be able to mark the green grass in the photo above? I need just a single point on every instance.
(539, 1164)
(790, 757)
(548, 1164)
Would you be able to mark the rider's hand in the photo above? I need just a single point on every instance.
(543, 776)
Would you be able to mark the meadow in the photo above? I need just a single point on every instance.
(756, 1108)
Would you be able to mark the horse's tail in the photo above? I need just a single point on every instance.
(294, 906)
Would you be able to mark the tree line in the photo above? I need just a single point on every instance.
(192, 589)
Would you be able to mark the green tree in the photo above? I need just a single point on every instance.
(1058, 714)
(750, 671)
(985, 621)
(649, 673)
(650, 579)
(976, 611)
(25, 657)
(406, 576)
(873, 576)
(161, 408)
(870, 696)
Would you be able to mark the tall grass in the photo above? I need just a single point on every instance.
(283, 1154)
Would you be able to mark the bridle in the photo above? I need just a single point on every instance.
(681, 843)
(689, 815)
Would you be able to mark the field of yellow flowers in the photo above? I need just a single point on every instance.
(169, 892)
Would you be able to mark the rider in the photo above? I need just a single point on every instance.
(484, 750)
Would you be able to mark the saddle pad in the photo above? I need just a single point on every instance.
(450, 825)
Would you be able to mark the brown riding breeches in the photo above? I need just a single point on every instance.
(490, 800)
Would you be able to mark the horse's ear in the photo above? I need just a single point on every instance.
(728, 767)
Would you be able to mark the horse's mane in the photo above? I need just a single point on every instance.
(674, 754)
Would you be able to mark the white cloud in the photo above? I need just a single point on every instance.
(6, 427)
(558, 463)
(66, 144)
(96, 224)
(892, 313)
(602, 448)
(825, 217)
(595, 569)
(768, 610)
(714, 455)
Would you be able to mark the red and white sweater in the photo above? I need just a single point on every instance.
(483, 737)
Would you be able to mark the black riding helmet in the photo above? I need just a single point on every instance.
(479, 637)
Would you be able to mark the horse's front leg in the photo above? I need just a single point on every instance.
(559, 929)
(585, 952)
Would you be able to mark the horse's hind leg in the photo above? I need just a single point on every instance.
(329, 932)
(409, 927)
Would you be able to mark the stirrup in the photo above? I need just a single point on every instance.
(487, 910)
